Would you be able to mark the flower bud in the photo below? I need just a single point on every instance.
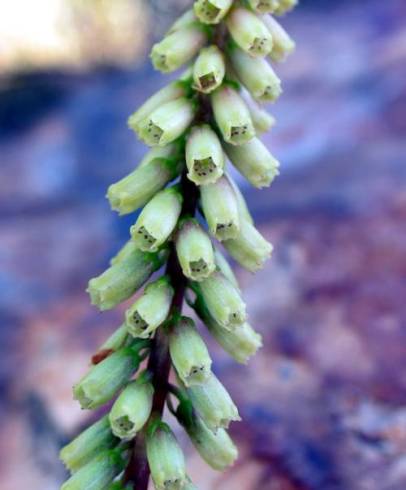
(256, 74)
(132, 409)
(225, 268)
(165, 458)
(88, 444)
(142, 184)
(189, 353)
(254, 161)
(220, 208)
(204, 155)
(167, 122)
(173, 91)
(209, 69)
(263, 6)
(285, 6)
(103, 380)
(223, 300)
(249, 32)
(98, 473)
(283, 44)
(194, 250)
(185, 20)
(211, 11)
(216, 448)
(178, 47)
(123, 278)
(157, 220)
(213, 404)
(241, 343)
(232, 116)
(242, 205)
(261, 119)
(249, 248)
(150, 310)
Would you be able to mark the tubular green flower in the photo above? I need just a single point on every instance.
(103, 380)
(242, 205)
(167, 122)
(255, 162)
(204, 155)
(223, 300)
(132, 409)
(285, 6)
(137, 188)
(249, 32)
(263, 6)
(189, 353)
(283, 44)
(211, 11)
(173, 91)
(213, 404)
(157, 220)
(88, 444)
(116, 340)
(225, 268)
(150, 310)
(249, 248)
(122, 279)
(97, 474)
(220, 208)
(178, 47)
(165, 458)
(216, 448)
(194, 250)
(209, 69)
(261, 119)
(240, 343)
(256, 74)
(185, 20)
(232, 116)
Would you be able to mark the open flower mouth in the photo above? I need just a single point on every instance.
(153, 133)
(259, 46)
(138, 322)
(204, 167)
(208, 81)
(144, 239)
(209, 11)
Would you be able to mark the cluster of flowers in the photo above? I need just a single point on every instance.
(229, 43)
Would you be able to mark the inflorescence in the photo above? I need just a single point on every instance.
(211, 113)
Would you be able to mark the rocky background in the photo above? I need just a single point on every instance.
(324, 402)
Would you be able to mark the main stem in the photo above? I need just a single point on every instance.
(159, 363)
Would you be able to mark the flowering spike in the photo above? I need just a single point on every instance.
(157, 220)
(213, 404)
(88, 444)
(212, 11)
(216, 448)
(167, 122)
(256, 74)
(189, 353)
(255, 162)
(232, 116)
(178, 47)
(249, 248)
(103, 380)
(122, 279)
(263, 6)
(204, 155)
(132, 409)
(283, 44)
(194, 250)
(223, 300)
(249, 32)
(165, 458)
(209, 69)
(98, 473)
(135, 190)
(150, 310)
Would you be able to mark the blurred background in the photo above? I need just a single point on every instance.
(324, 402)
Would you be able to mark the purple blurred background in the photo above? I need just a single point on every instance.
(324, 402)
